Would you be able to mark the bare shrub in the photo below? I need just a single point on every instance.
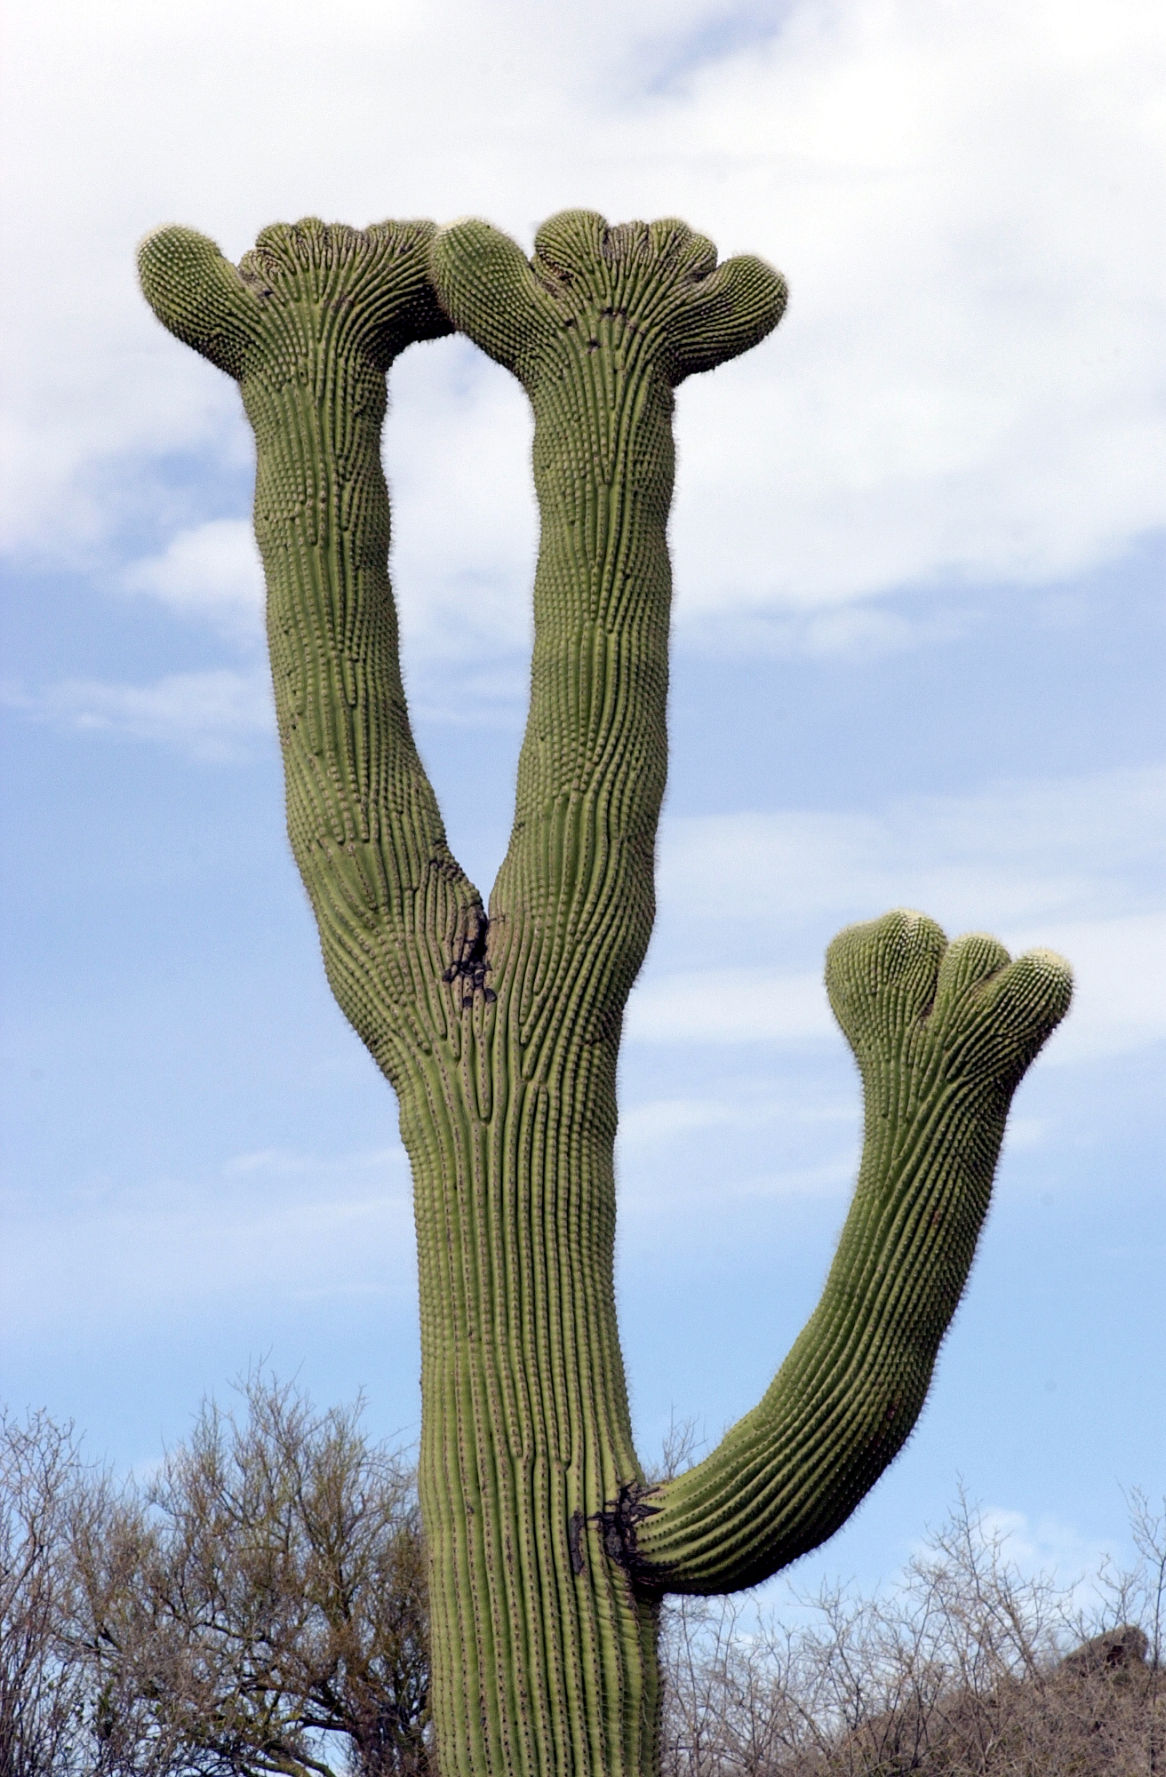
(968, 1668)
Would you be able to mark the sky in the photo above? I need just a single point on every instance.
(919, 542)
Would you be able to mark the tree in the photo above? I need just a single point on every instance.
(549, 1553)
(41, 1691)
(262, 1607)
(258, 1607)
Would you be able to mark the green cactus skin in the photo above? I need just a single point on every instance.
(942, 1034)
(548, 1551)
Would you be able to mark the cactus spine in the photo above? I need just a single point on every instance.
(500, 1035)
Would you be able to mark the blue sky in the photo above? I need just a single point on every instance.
(920, 541)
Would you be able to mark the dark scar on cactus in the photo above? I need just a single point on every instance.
(575, 1542)
(471, 966)
(618, 1527)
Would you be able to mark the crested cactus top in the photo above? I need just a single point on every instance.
(373, 281)
(658, 281)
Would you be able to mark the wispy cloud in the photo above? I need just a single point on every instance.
(756, 1139)
(1043, 1549)
(1075, 864)
(270, 1225)
(213, 715)
(730, 1006)
(1092, 845)
(211, 572)
(1119, 993)
(662, 1120)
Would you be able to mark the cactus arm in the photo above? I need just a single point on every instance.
(942, 1035)
(599, 327)
(308, 325)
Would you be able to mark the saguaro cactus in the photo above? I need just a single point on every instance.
(549, 1551)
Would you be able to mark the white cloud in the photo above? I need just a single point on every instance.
(729, 1006)
(1048, 1562)
(1025, 1133)
(854, 629)
(211, 715)
(457, 452)
(464, 537)
(657, 1121)
(1119, 998)
(1075, 865)
(966, 201)
(758, 1137)
(1119, 985)
(272, 1226)
(1002, 857)
(211, 571)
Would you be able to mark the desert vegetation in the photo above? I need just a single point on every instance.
(257, 1605)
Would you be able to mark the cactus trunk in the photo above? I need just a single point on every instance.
(543, 1652)
(549, 1553)
(523, 1395)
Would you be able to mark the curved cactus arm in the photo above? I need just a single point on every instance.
(308, 324)
(599, 326)
(942, 1034)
